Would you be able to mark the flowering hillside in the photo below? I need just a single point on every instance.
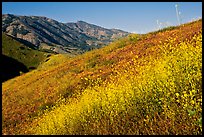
(142, 84)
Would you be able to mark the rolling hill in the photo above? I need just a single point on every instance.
(140, 84)
(45, 33)
(16, 57)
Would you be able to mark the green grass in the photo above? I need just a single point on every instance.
(16, 50)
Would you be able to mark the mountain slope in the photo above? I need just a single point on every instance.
(136, 85)
(45, 33)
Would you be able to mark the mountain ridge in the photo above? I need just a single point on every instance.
(59, 37)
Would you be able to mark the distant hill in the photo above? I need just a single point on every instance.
(46, 33)
(17, 57)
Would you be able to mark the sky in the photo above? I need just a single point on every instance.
(135, 17)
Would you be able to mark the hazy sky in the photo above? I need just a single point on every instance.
(138, 17)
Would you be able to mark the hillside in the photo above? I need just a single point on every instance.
(140, 84)
(17, 57)
(49, 34)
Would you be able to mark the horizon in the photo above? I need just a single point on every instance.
(110, 15)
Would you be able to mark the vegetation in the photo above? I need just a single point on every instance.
(141, 84)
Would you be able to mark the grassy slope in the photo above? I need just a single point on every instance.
(20, 52)
(125, 59)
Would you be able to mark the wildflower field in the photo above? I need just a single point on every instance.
(143, 84)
